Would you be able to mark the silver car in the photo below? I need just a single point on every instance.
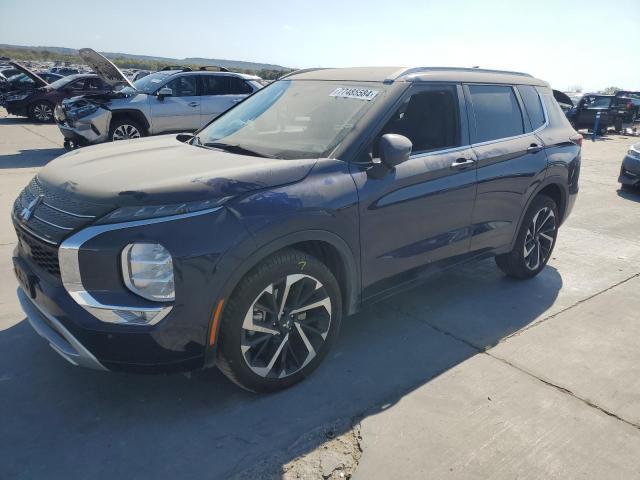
(171, 100)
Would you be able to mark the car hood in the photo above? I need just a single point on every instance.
(103, 67)
(562, 97)
(162, 170)
(39, 81)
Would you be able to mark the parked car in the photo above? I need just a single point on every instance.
(630, 102)
(172, 100)
(583, 115)
(8, 71)
(140, 74)
(244, 245)
(23, 82)
(39, 102)
(630, 169)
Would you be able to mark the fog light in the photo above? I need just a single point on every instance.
(147, 270)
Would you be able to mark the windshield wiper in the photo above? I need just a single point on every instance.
(235, 149)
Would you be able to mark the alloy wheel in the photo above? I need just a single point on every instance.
(286, 326)
(42, 112)
(125, 132)
(539, 239)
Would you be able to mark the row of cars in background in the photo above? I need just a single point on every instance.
(91, 108)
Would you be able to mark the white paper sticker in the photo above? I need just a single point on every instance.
(355, 92)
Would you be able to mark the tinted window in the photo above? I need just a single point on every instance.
(497, 112)
(184, 86)
(215, 85)
(94, 84)
(428, 118)
(238, 86)
(532, 105)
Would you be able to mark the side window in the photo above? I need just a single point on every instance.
(238, 86)
(532, 105)
(215, 85)
(184, 86)
(77, 85)
(497, 112)
(93, 84)
(428, 118)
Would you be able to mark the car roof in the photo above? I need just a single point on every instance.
(225, 74)
(416, 74)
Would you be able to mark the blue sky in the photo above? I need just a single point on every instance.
(594, 44)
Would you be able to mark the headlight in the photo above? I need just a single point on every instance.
(633, 153)
(127, 214)
(83, 111)
(147, 270)
(16, 98)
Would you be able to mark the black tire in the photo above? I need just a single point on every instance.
(515, 263)
(276, 355)
(125, 128)
(41, 111)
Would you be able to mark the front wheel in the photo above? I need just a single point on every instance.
(535, 240)
(125, 129)
(280, 322)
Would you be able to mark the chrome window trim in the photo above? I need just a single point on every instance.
(439, 152)
(72, 279)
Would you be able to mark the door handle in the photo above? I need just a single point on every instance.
(462, 163)
(534, 148)
(193, 104)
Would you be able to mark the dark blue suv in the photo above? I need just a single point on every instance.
(244, 245)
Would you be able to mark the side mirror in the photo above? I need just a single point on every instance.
(394, 149)
(184, 137)
(164, 92)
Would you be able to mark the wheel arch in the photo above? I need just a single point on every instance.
(132, 114)
(556, 190)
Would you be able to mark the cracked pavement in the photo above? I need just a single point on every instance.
(470, 375)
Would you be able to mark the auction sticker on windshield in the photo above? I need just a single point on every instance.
(354, 92)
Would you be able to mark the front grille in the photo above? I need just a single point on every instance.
(51, 215)
(42, 254)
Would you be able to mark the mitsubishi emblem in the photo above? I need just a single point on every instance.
(26, 212)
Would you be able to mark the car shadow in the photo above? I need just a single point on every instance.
(30, 158)
(108, 425)
(633, 195)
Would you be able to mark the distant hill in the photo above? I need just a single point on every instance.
(230, 64)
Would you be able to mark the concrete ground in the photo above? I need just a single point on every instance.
(471, 375)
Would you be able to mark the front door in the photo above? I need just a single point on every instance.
(420, 212)
(181, 110)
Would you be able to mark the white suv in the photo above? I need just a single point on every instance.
(171, 100)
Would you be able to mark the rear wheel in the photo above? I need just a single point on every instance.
(279, 323)
(535, 240)
(41, 111)
(125, 129)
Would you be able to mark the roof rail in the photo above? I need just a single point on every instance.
(302, 70)
(414, 70)
(220, 69)
(181, 68)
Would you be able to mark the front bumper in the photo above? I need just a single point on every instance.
(88, 130)
(59, 338)
(630, 171)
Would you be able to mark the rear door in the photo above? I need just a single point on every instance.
(220, 93)
(181, 110)
(511, 158)
(420, 211)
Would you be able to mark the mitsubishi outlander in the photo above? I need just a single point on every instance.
(245, 244)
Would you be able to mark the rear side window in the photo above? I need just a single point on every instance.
(497, 112)
(429, 118)
(224, 85)
(532, 105)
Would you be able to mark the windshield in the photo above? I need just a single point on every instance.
(150, 83)
(293, 119)
(20, 78)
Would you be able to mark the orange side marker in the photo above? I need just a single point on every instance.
(214, 324)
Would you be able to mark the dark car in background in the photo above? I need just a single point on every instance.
(583, 115)
(23, 82)
(630, 103)
(39, 102)
(630, 169)
(243, 245)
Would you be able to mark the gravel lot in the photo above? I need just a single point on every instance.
(471, 375)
